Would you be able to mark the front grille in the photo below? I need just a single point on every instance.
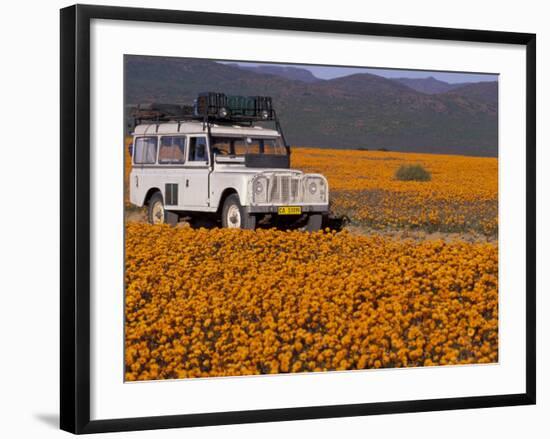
(284, 189)
(294, 188)
(274, 195)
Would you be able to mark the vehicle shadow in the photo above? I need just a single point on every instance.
(203, 221)
(332, 222)
(337, 223)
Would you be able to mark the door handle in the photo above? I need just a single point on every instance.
(187, 182)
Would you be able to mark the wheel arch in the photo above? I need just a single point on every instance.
(150, 193)
(226, 193)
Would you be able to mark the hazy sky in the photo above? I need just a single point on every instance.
(325, 72)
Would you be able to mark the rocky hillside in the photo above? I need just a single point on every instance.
(356, 111)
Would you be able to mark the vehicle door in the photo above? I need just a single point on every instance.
(197, 170)
(170, 170)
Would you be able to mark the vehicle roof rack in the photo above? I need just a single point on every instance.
(210, 107)
(222, 107)
(157, 112)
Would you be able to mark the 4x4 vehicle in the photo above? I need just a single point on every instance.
(218, 157)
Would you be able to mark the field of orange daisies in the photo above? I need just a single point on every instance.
(222, 302)
(462, 195)
(217, 302)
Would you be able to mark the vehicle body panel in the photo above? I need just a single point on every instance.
(201, 186)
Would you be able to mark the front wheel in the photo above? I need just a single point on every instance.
(314, 222)
(234, 215)
(155, 211)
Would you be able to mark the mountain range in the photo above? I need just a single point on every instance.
(428, 85)
(356, 111)
(294, 73)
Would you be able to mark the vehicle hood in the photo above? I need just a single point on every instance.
(255, 171)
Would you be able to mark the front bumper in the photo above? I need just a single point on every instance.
(308, 208)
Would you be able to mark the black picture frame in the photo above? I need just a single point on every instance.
(75, 217)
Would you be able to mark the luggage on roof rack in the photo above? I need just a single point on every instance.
(210, 107)
(234, 108)
(162, 112)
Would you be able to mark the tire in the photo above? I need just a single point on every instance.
(234, 216)
(314, 222)
(155, 209)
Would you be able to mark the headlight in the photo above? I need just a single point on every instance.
(259, 190)
(313, 188)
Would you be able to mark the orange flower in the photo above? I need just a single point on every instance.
(270, 301)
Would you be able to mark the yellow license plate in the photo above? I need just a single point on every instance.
(289, 210)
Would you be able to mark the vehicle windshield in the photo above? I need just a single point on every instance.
(239, 146)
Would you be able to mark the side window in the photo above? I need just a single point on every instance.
(172, 150)
(145, 150)
(197, 149)
(221, 146)
(239, 145)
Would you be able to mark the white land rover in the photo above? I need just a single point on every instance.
(214, 158)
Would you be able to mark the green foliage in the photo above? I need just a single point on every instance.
(412, 173)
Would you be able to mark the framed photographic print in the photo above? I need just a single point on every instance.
(267, 218)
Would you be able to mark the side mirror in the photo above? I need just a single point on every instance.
(131, 149)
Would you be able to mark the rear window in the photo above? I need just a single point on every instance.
(247, 145)
(145, 150)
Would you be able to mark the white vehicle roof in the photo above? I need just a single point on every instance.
(191, 127)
